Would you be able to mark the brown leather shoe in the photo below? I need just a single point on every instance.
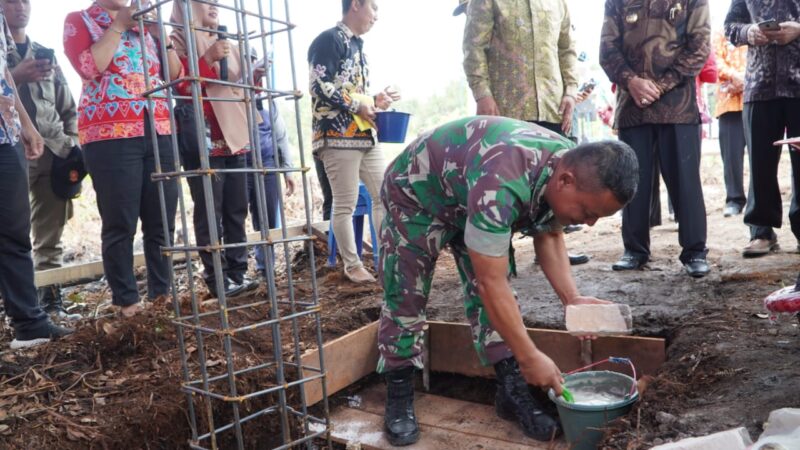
(359, 275)
(760, 247)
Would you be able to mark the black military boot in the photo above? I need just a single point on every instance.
(515, 402)
(400, 421)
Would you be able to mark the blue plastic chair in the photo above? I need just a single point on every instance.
(363, 208)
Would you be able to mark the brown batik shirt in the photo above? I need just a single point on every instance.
(667, 41)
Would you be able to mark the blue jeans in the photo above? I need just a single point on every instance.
(272, 203)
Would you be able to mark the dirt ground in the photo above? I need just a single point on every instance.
(115, 383)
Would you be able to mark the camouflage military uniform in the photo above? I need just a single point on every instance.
(468, 184)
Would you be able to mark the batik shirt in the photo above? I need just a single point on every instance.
(10, 127)
(666, 41)
(773, 71)
(338, 69)
(111, 104)
(731, 62)
(521, 53)
(484, 175)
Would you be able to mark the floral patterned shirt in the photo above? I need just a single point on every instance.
(521, 53)
(111, 104)
(10, 127)
(338, 68)
(731, 63)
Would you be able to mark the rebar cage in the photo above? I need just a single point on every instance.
(222, 400)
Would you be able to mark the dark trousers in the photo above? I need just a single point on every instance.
(325, 185)
(731, 146)
(121, 171)
(229, 193)
(16, 265)
(272, 210)
(764, 123)
(677, 150)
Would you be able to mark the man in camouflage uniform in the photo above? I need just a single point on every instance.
(470, 184)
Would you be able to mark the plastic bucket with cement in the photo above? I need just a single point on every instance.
(600, 397)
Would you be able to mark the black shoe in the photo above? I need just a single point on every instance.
(731, 209)
(514, 401)
(51, 300)
(231, 289)
(40, 336)
(697, 267)
(578, 259)
(245, 283)
(629, 262)
(567, 229)
(400, 422)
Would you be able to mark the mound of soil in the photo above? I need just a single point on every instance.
(116, 382)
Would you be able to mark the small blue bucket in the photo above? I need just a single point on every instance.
(392, 126)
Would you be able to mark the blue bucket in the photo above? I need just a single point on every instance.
(392, 126)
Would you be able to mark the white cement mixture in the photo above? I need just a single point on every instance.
(593, 398)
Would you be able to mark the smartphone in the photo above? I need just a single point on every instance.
(45, 53)
(769, 25)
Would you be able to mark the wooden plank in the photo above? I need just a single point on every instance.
(94, 269)
(452, 350)
(347, 360)
(445, 424)
(647, 354)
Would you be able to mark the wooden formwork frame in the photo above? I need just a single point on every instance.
(355, 355)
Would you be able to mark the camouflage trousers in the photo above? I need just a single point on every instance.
(411, 241)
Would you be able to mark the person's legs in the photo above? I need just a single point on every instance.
(679, 155)
(234, 213)
(153, 233)
(49, 215)
(16, 265)
(791, 109)
(325, 185)
(200, 218)
(513, 400)
(487, 341)
(763, 125)
(116, 168)
(371, 174)
(272, 204)
(343, 167)
(731, 146)
(636, 214)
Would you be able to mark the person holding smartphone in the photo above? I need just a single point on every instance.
(47, 99)
(771, 110)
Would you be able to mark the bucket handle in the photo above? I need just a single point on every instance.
(614, 360)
